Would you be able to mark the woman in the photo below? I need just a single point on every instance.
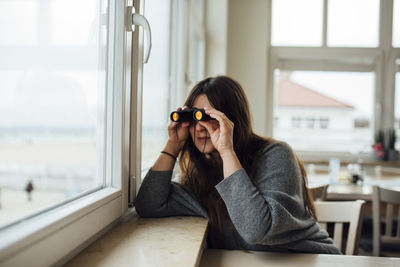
(252, 189)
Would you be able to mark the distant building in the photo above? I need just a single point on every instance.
(309, 120)
(301, 107)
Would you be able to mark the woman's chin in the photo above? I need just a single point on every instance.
(206, 149)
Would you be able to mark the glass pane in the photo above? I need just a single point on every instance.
(325, 111)
(353, 23)
(296, 23)
(396, 23)
(155, 91)
(397, 111)
(53, 94)
(11, 13)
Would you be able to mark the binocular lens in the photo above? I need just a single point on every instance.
(198, 115)
(175, 116)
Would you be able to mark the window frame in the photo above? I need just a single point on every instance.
(64, 231)
(379, 60)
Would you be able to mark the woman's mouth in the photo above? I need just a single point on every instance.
(205, 138)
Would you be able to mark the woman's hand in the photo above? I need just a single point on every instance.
(221, 134)
(178, 132)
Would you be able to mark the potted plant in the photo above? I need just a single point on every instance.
(379, 146)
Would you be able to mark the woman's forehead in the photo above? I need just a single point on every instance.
(201, 101)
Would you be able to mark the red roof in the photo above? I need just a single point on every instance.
(293, 94)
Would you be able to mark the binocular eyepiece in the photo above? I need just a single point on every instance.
(190, 114)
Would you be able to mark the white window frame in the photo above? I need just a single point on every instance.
(380, 60)
(54, 237)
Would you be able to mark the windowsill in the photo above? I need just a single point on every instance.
(28, 235)
(172, 241)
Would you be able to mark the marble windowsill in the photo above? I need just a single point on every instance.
(172, 241)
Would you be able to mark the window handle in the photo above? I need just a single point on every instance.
(139, 20)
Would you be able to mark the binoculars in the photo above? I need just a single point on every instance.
(190, 114)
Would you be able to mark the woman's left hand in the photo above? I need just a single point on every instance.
(221, 135)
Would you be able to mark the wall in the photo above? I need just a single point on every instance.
(236, 45)
(216, 37)
(247, 54)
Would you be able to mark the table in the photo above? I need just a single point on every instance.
(233, 258)
(352, 191)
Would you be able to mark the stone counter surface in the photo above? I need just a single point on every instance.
(172, 241)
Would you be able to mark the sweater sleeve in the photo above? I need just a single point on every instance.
(158, 197)
(269, 209)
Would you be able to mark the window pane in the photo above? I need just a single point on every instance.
(396, 23)
(155, 90)
(78, 31)
(52, 136)
(397, 111)
(325, 111)
(12, 13)
(353, 23)
(296, 23)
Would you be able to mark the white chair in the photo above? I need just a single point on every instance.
(391, 199)
(319, 192)
(339, 213)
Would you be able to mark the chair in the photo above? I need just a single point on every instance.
(391, 199)
(339, 213)
(319, 192)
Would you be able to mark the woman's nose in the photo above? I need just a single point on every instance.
(198, 127)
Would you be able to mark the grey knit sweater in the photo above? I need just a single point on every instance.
(267, 212)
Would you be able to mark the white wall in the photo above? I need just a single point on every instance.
(247, 54)
(237, 38)
(216, 37)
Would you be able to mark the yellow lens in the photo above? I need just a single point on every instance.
(175, 116)
(198, 115)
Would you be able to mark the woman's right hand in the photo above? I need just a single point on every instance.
(178, 132)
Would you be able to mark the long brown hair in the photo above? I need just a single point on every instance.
(201, 172)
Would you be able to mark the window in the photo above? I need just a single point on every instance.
(297, 23)
(178, 61)
(64, 91)
(53, 90)
(346, 68)
(310, 122)
(347, 26)
(155, 91)
(324, 123)
(397, 108)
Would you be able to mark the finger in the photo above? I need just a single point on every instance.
(185, 124)
(208, 126)
(172, 125)
(214, 113)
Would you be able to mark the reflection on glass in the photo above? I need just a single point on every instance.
(397, 111)
(353, 23)
(52, 97)
(155, 90)
(296, 23)
(324, 111)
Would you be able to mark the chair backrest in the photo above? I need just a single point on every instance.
(319, 192)
(390, 199)
(338, 213)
